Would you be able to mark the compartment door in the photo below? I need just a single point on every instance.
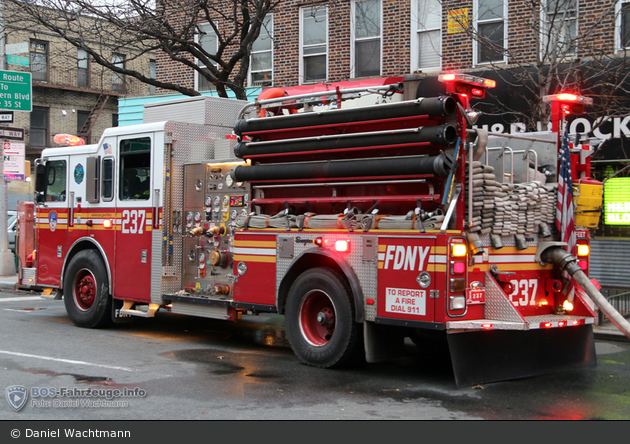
(404, 263)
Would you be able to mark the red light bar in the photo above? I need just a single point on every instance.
(467, 78)
(568, 97)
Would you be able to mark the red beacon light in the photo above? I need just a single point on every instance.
(568, 103)
(466, 84)
(68, 140)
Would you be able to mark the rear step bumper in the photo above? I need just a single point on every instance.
(500, 314)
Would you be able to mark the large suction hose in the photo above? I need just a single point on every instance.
(436, 135)
(566, 261)
(432, 107)
(439, 165)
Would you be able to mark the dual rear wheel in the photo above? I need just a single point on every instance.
(320, 319)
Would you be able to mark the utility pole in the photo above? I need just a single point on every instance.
(7, 261)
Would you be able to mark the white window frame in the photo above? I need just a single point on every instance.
(302, 56)
(618, 23)
(477, 22)
(119, 60)
(354, 40)
(197, 74)
(544, 31)
(415, 39)
(269, 31)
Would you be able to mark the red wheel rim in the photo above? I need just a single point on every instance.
(317, 318)
(84, 289)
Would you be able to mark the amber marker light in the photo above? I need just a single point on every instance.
(107, 223)
(568, 306)
(342, 245)
(458, 250)
(583, 250)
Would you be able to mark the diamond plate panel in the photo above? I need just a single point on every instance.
(366, 270)
(498, 307)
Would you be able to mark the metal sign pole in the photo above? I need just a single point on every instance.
(7, 262)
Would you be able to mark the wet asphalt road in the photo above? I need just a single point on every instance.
(194, 368)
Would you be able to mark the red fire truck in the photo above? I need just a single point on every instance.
(362, 225)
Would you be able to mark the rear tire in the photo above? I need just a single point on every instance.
(86, 291)
(319, 320)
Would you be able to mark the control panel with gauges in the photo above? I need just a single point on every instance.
(212, 203)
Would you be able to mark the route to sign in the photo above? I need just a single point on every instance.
(15, 91)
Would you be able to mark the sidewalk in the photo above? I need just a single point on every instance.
(607, 331)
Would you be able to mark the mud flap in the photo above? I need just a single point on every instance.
(382, 342)
(498, 355)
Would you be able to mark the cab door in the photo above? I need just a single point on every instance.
(134, 218)
(78, 206)
(53, 212)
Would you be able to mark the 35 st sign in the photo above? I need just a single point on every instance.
(16, 92)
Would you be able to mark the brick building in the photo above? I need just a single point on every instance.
(70, 92)
(306, 41)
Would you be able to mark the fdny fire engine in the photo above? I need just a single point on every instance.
(362, 225)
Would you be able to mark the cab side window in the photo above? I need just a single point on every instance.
(55, 181)
(135, 169)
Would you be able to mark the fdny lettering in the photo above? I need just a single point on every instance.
(401, 258)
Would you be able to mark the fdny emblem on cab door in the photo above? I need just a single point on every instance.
(52, 220)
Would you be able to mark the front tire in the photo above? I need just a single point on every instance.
(319, 320)
(86, 291)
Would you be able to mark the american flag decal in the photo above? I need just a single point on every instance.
(107, 148)
(565, 222)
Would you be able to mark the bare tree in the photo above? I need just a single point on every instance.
(213, 38)
(551, 48)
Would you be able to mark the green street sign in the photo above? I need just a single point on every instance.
(16, 92)
(18, 60)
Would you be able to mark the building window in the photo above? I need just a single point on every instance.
(427, 20)
(366, 36)
(82, 127)
(622, 25)
(39, 127)
(261, 62)
(208, 40)
(559, 27)
(152, 75)
(39, 60)
(490, 16)
(83, 69)
(118, 80)
(314, 44)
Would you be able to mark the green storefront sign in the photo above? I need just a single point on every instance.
(15, 91)
(617, 201)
